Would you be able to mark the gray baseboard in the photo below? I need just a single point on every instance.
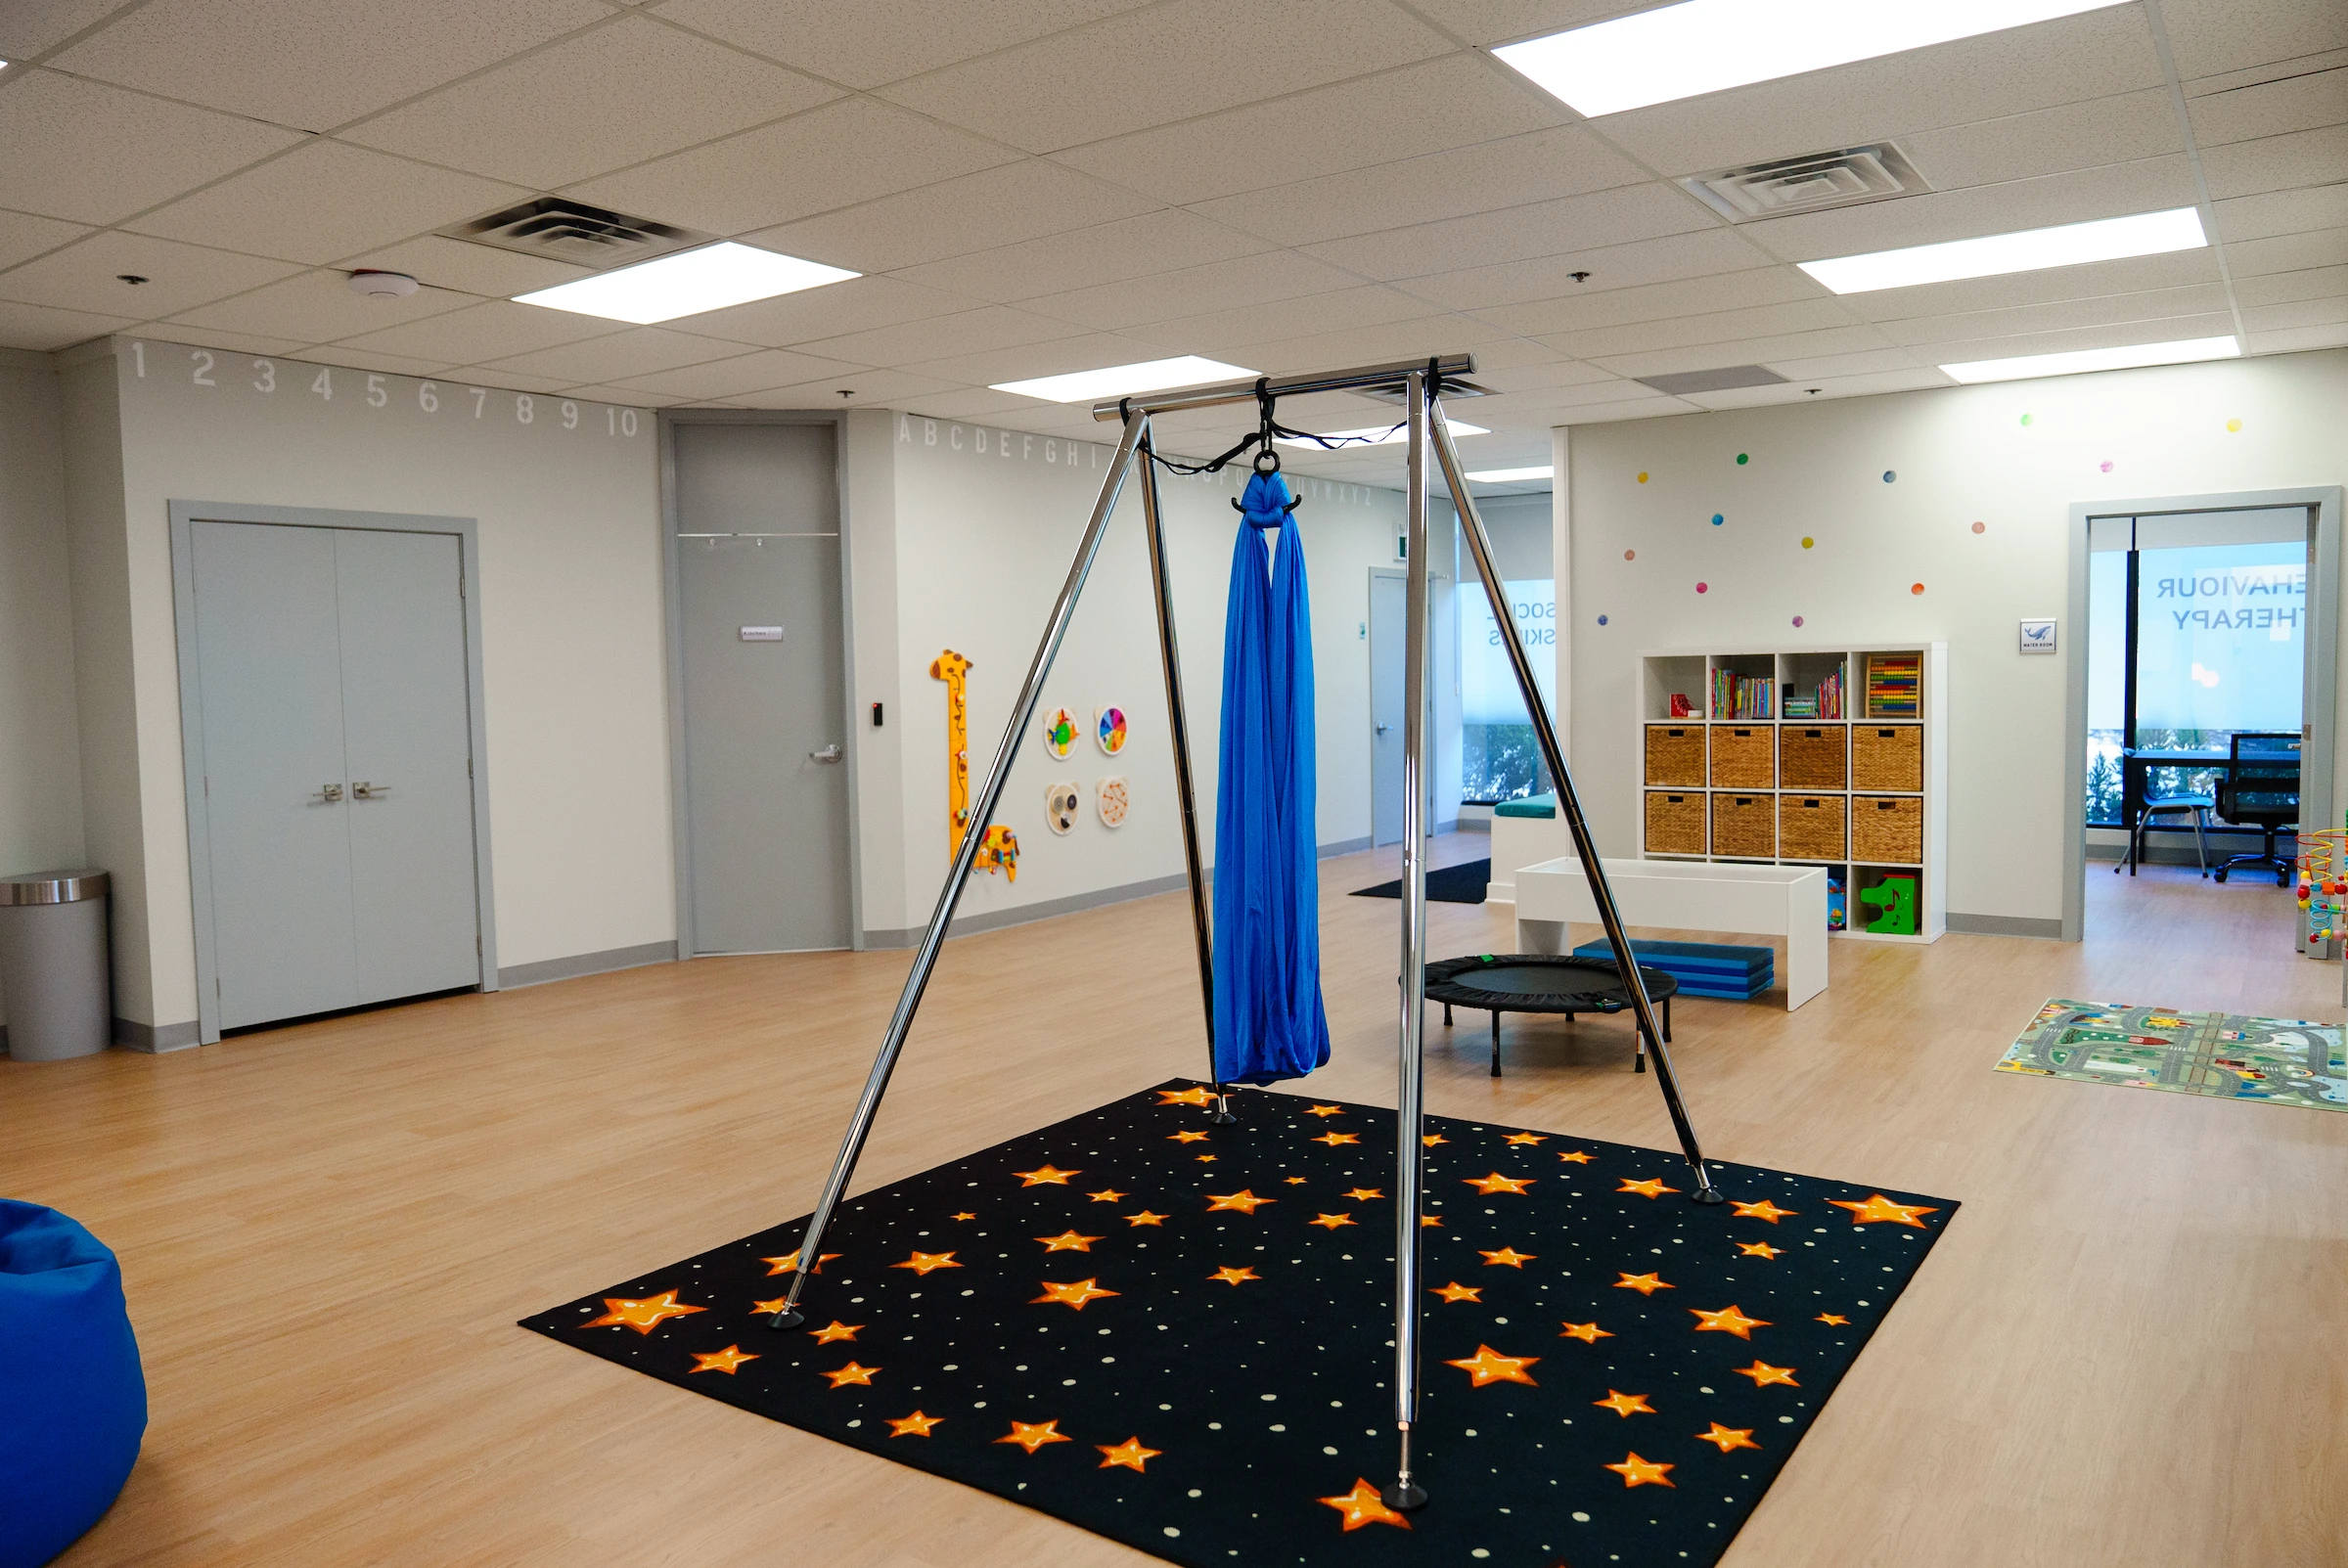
(1472, 824)
(1026, 913)
(1343, 847)
(2005, 925)
(580, 963)
(155, 1038)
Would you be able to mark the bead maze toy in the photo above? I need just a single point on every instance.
(2324, 883)
(953, 669)
(999, 851)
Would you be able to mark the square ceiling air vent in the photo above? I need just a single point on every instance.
(1726, 378)
(1812, 183)
(574, 232)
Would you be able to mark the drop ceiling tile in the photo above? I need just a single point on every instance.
(969, 332)
(976, 403)
(2098, 53)
(440, 262)
(1030, 199)
(1578, 223)
(324, 202)
(2111, 310)
(742, 373)
(2284, 253)
(2271, 109)
(2296, 313)
(318, 307)
(877, 41)
(1381, 343)
(856, 305)
(2299, 339)
(213, 344)
(85, 151)
(1026, 361)
(2136, 275)
(492, 329)
(1539, 407)
(623, 397)
(622, 356)
(502, 380)
(872, 389)
(2211, 37)
(2123, 335)
(1328, 130)
(1555, 373)
(1215, 332)
(833, 156)
(2048, 141)
(1708, 327)
(1834, 367)
(591, 103)
(273, 60)
(1500, 22)
(22, 236)
(1107, 253)
(30, 28)
(84, 275)
(1906, 379)
(2276, 162)
(1512, 353)
(1613, 307)
(2278, 288)
(1171, 61)
(40, 327)
(1231, 284)
(1748, 351)
(2261, 217)
(1623, 266)
(1629, 409)
(2151, 185)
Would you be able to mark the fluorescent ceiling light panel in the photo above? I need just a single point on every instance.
(1382, 435)
(2029, 366)
(1705, 46)
(1513, 475)
(687, 283)
(1124, 381)
(2066, 245)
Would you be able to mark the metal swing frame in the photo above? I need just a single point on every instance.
(1419, 386)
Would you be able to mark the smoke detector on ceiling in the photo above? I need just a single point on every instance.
(1851, 176)
(556, 230)
(374, 284)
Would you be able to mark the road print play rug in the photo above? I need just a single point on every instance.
(2282, 1061)
(1178, 1336)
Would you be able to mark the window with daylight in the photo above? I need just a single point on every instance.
(1498, 759)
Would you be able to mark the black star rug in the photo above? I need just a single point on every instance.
(1463, 883)
(1179, 1335)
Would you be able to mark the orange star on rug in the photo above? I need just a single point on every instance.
(922, 1263)
(1624, 1404)
(1332, 1140)
(1763, 1210)
(835, 1329)
(915, 1425)
(1067, 1241)
(1646, 1284)
(1577, 1157)
(1107, 1195)
(1129, 1453)
(1047, 1175)
(1638, 1472)
(1727, 1321)
(1430, 1140)
(1364, 1194)
(1832, 1319)
(1508, 1258)
(965, 1216)
(1526, 1138)
(1361, 1505)
(1455, 1291)
(1186, 1137)
(728, 1361)
(1324, 1111)
(1330, 1221)
(1296, 1181)
(1758, 1249)
(1587, 1333)
(1198, 1094)
(1881, 1210)
(1497, 1183)
(769, 1308)
(642, 1316)
(1762, 1374)
(1426, 1220)
(1725, 1438)
(1034, 1435)
(1232, 1277)
(1145, 1217)
(1243, 1200)
(1075, 1295)
(786, 1265)
(1652, 1188)
(1489, 1366)
(1206, 1160)
(851, 1373)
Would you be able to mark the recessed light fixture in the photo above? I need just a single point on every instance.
(370, 284)
(687, 283)
(1513, 475)
(1123, 380)
(2066, 245)
(1705, 46)
(2184, 352)
(1382, 435)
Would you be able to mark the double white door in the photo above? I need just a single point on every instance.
(337, 767)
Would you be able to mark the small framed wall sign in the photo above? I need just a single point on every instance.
(2038, 637)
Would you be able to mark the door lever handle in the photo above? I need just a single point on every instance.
(330, 793)
(362, 790)
(1384, 727)
(830, 753)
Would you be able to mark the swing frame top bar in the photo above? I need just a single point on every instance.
(1385, 380)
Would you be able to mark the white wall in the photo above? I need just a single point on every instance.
(571, 619)
(1962, 455)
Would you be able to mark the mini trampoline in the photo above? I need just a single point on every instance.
(1543, 982)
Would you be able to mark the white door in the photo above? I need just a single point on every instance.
(1388, 622)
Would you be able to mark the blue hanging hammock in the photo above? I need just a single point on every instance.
(1269, 1022)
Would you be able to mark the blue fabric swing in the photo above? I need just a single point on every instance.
(1269, 1020)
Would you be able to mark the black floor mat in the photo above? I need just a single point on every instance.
(1463, 883)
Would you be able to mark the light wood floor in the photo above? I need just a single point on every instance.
(2127, 1350)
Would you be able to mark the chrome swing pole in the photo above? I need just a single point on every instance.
(982, 812)
(1479, 545)
(1178, 727)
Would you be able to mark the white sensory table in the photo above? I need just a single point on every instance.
(1788, 901)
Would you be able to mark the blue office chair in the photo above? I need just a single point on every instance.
(2262, 790)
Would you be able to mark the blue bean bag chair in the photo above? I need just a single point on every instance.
(73, 1400)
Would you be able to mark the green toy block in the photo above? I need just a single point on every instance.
(1894, 899)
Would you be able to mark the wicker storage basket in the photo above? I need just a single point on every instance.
(1887, 756)
(1814, 757)
(1811, 827)
(1675, 754)
(1745, 757)
(1745, 826)
(1675, 823)
(1887, 828)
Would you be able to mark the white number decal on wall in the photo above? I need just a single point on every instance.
(627, 422)
(138, 354)
(523, 409)
(480, 400)
(570, 416)
(203, 367)
(610, 422)
(377, 397)
(324, 385)
(267, 382)
(427, 397)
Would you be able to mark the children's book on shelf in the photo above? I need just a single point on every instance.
(1742, 697)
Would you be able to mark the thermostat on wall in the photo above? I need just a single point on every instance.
(2038, 637)
(762, 634)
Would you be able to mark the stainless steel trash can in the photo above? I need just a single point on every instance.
(53, 968)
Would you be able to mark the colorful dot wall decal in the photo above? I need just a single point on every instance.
(2234, 425)
(1602, 620)
(2106, 464)
(1742, 458)
(1807, 541)
(1718, 519)
(1629, 555)
(1980, 527)
(1889, 476)
(1797, 620)
(2026, 418)
(1703, 588)
(1915, 587)
(1643, 477)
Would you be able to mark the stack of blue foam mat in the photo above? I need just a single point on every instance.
(1702, 968)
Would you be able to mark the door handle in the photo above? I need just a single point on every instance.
(830, 753)
(361, 789)
(330, 793)
(1384, 727)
